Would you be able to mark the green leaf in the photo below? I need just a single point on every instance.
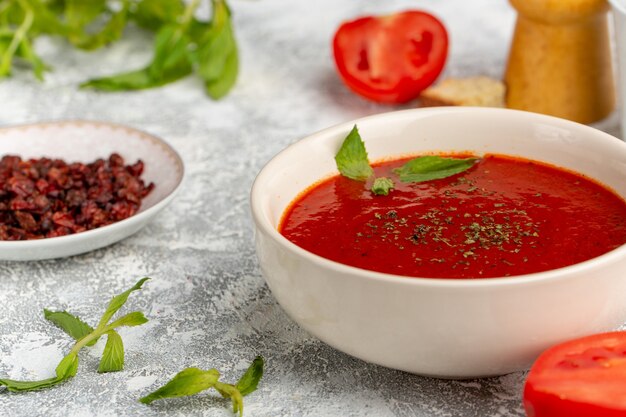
(215, 43)
(352, 159)
(193, 380)
(171, 52)
(426, 168)
(79, 13)
(68, 366)
(230, 391)
(171, 62)
(250, 379)
(72, 325)
(152, 14)
(182, 41)
(47, 19)
(109, 33)
(220, 86)
(189, 381)
(133, 80)
(66, 369)
(197, 30)
(135, 318)
(118, 301)
(18, 386)
(216, 57)
(382, 186)
(113, 355)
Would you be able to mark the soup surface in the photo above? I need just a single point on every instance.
(504, 216)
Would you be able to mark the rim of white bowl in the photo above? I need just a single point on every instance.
(550, 275)
(137, 217)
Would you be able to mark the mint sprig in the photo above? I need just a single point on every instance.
(191, 381)
(113, 356)
(352, 162)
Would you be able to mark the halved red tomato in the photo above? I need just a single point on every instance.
(391, 59)
(581, 378)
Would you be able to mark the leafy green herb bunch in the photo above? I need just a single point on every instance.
(183, 43)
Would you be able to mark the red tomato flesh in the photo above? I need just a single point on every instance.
(580, 378)
(503, 217)
(391, 59)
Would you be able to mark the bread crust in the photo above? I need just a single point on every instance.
(474, 91)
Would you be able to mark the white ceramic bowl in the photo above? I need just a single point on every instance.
(438, 327)
(85, 142)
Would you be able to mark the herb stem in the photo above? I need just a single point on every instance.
(189, 11)
(20, 33)
(85, 340)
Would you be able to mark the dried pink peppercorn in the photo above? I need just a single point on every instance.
(48, 197)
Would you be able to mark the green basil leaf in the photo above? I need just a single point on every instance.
(182, 42)
(47, 19)
(152, 14)
(79, 13)
(171, 53)
(220, 86)
(216, 56)
(426, 168)
(133, 80)
(197, 31)
(216, 43)
(250, 379)
(135, 318)
(382, 186)
(352, 159)
(170, 63)
(113, 355)
(189, 381)
(118, 301)
(109, 33)
(72, 325)
(230, 391)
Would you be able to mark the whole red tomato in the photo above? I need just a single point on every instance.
(391, 59)
(580, 378)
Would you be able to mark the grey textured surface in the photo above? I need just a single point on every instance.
(207, 303)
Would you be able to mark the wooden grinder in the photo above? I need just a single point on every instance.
(560, 59)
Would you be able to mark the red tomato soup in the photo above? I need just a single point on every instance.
(504, 216)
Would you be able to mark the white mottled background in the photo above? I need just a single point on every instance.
(207, 303)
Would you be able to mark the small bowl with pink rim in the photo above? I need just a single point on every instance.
(86, 141)
(461, 328)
